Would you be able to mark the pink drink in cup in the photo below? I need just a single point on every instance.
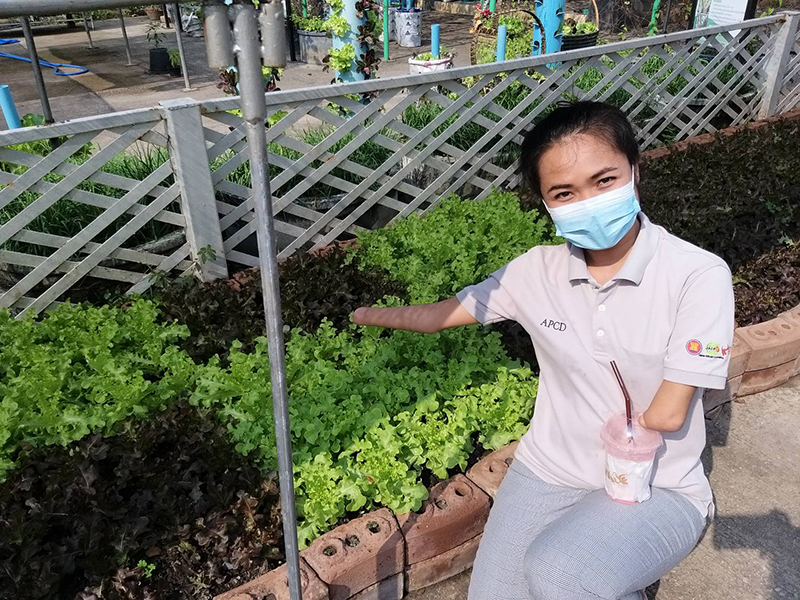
(629, 465)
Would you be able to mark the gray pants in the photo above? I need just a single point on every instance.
(548, 542)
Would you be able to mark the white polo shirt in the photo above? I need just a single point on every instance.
(667, 314)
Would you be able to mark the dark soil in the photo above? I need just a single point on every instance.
(738, 197)
(767, 285)
(171, 492)
(313, 287)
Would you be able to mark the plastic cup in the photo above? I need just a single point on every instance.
(629, 465)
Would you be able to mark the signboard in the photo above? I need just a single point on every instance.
(710, 13)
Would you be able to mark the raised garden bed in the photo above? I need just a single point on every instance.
(104, 410)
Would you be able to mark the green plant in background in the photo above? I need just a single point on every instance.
(443, 53)
(174, 58)
(314, 24)
(338, 25)
(578, 28)
(340, 59)
(147, 567)
(457, 244)
(155, 34)
(773, 6)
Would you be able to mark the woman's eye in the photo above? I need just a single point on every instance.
(563, 195)
(606, 180)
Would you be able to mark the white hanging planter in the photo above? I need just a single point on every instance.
(416, 65)
(409, 28)
(392, 26)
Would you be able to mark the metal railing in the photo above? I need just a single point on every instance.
(339, 162)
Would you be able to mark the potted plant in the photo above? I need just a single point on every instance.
(425, 63)
(578, 31)
(153, 12)
(313, 37)
(175, 63)
(159, 56)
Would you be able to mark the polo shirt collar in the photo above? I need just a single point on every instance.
(634, 267)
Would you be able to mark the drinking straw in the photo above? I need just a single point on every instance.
(618, 375)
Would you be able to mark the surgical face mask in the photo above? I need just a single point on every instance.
(600, 222)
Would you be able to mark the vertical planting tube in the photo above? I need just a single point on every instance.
(9, 108)
(551, 12)
(502, 34)
(435, 41)
(492, 5)
(351, 37)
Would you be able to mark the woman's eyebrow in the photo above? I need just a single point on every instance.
(602, 172)
(559, 186)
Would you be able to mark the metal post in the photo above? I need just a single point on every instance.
(187, 85)
(125, 37)
(88, 33)
(502, 35)
(776, 67)
(666, 17)
(37, 70)
(290, 25)
(254, 112)
(386, 29)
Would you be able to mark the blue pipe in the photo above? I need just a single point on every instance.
(79, 70)
(9, 108)
(502, 35)
(434, 41)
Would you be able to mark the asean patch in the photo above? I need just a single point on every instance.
(694, 347)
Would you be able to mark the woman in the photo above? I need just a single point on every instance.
(620, 289)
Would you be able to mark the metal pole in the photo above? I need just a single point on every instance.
(24, 8)
(666, 17)
(386, 29)
(254, 112)
(125, 37)
(37, 70)
(292, 54)
(88, 33)
(176, 12)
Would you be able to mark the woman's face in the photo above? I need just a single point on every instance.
(580, 167)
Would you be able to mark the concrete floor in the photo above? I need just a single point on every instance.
(111, 86)
(752, 549)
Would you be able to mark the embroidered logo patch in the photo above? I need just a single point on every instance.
(709, 350)
(694, 347)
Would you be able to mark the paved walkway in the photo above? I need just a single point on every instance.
(112, 86)
(752, 550)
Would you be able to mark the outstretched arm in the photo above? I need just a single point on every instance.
(423, 318)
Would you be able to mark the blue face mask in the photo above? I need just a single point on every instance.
(599, 222)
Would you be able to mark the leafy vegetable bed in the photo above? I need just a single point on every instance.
(376, 416)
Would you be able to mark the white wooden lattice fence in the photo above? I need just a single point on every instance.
(339, 162)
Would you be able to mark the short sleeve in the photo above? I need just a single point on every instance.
(700, 344)
(490, 301)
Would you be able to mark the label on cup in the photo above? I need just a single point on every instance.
(628, 480)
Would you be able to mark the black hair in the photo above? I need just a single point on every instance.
(605, 122)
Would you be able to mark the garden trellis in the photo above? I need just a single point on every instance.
(417, 139)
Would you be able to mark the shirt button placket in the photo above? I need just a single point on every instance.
(601, 323)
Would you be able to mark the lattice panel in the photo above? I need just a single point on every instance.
(93, 210)
(366, 154)
(790, 98)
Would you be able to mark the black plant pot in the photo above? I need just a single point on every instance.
(583, 40)
(159, 61)
(175, 71)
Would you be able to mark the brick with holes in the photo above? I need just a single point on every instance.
(488, 472)
(357, 554)
(275, 586)
(774, 343)
(740, 356)
(455, 512)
